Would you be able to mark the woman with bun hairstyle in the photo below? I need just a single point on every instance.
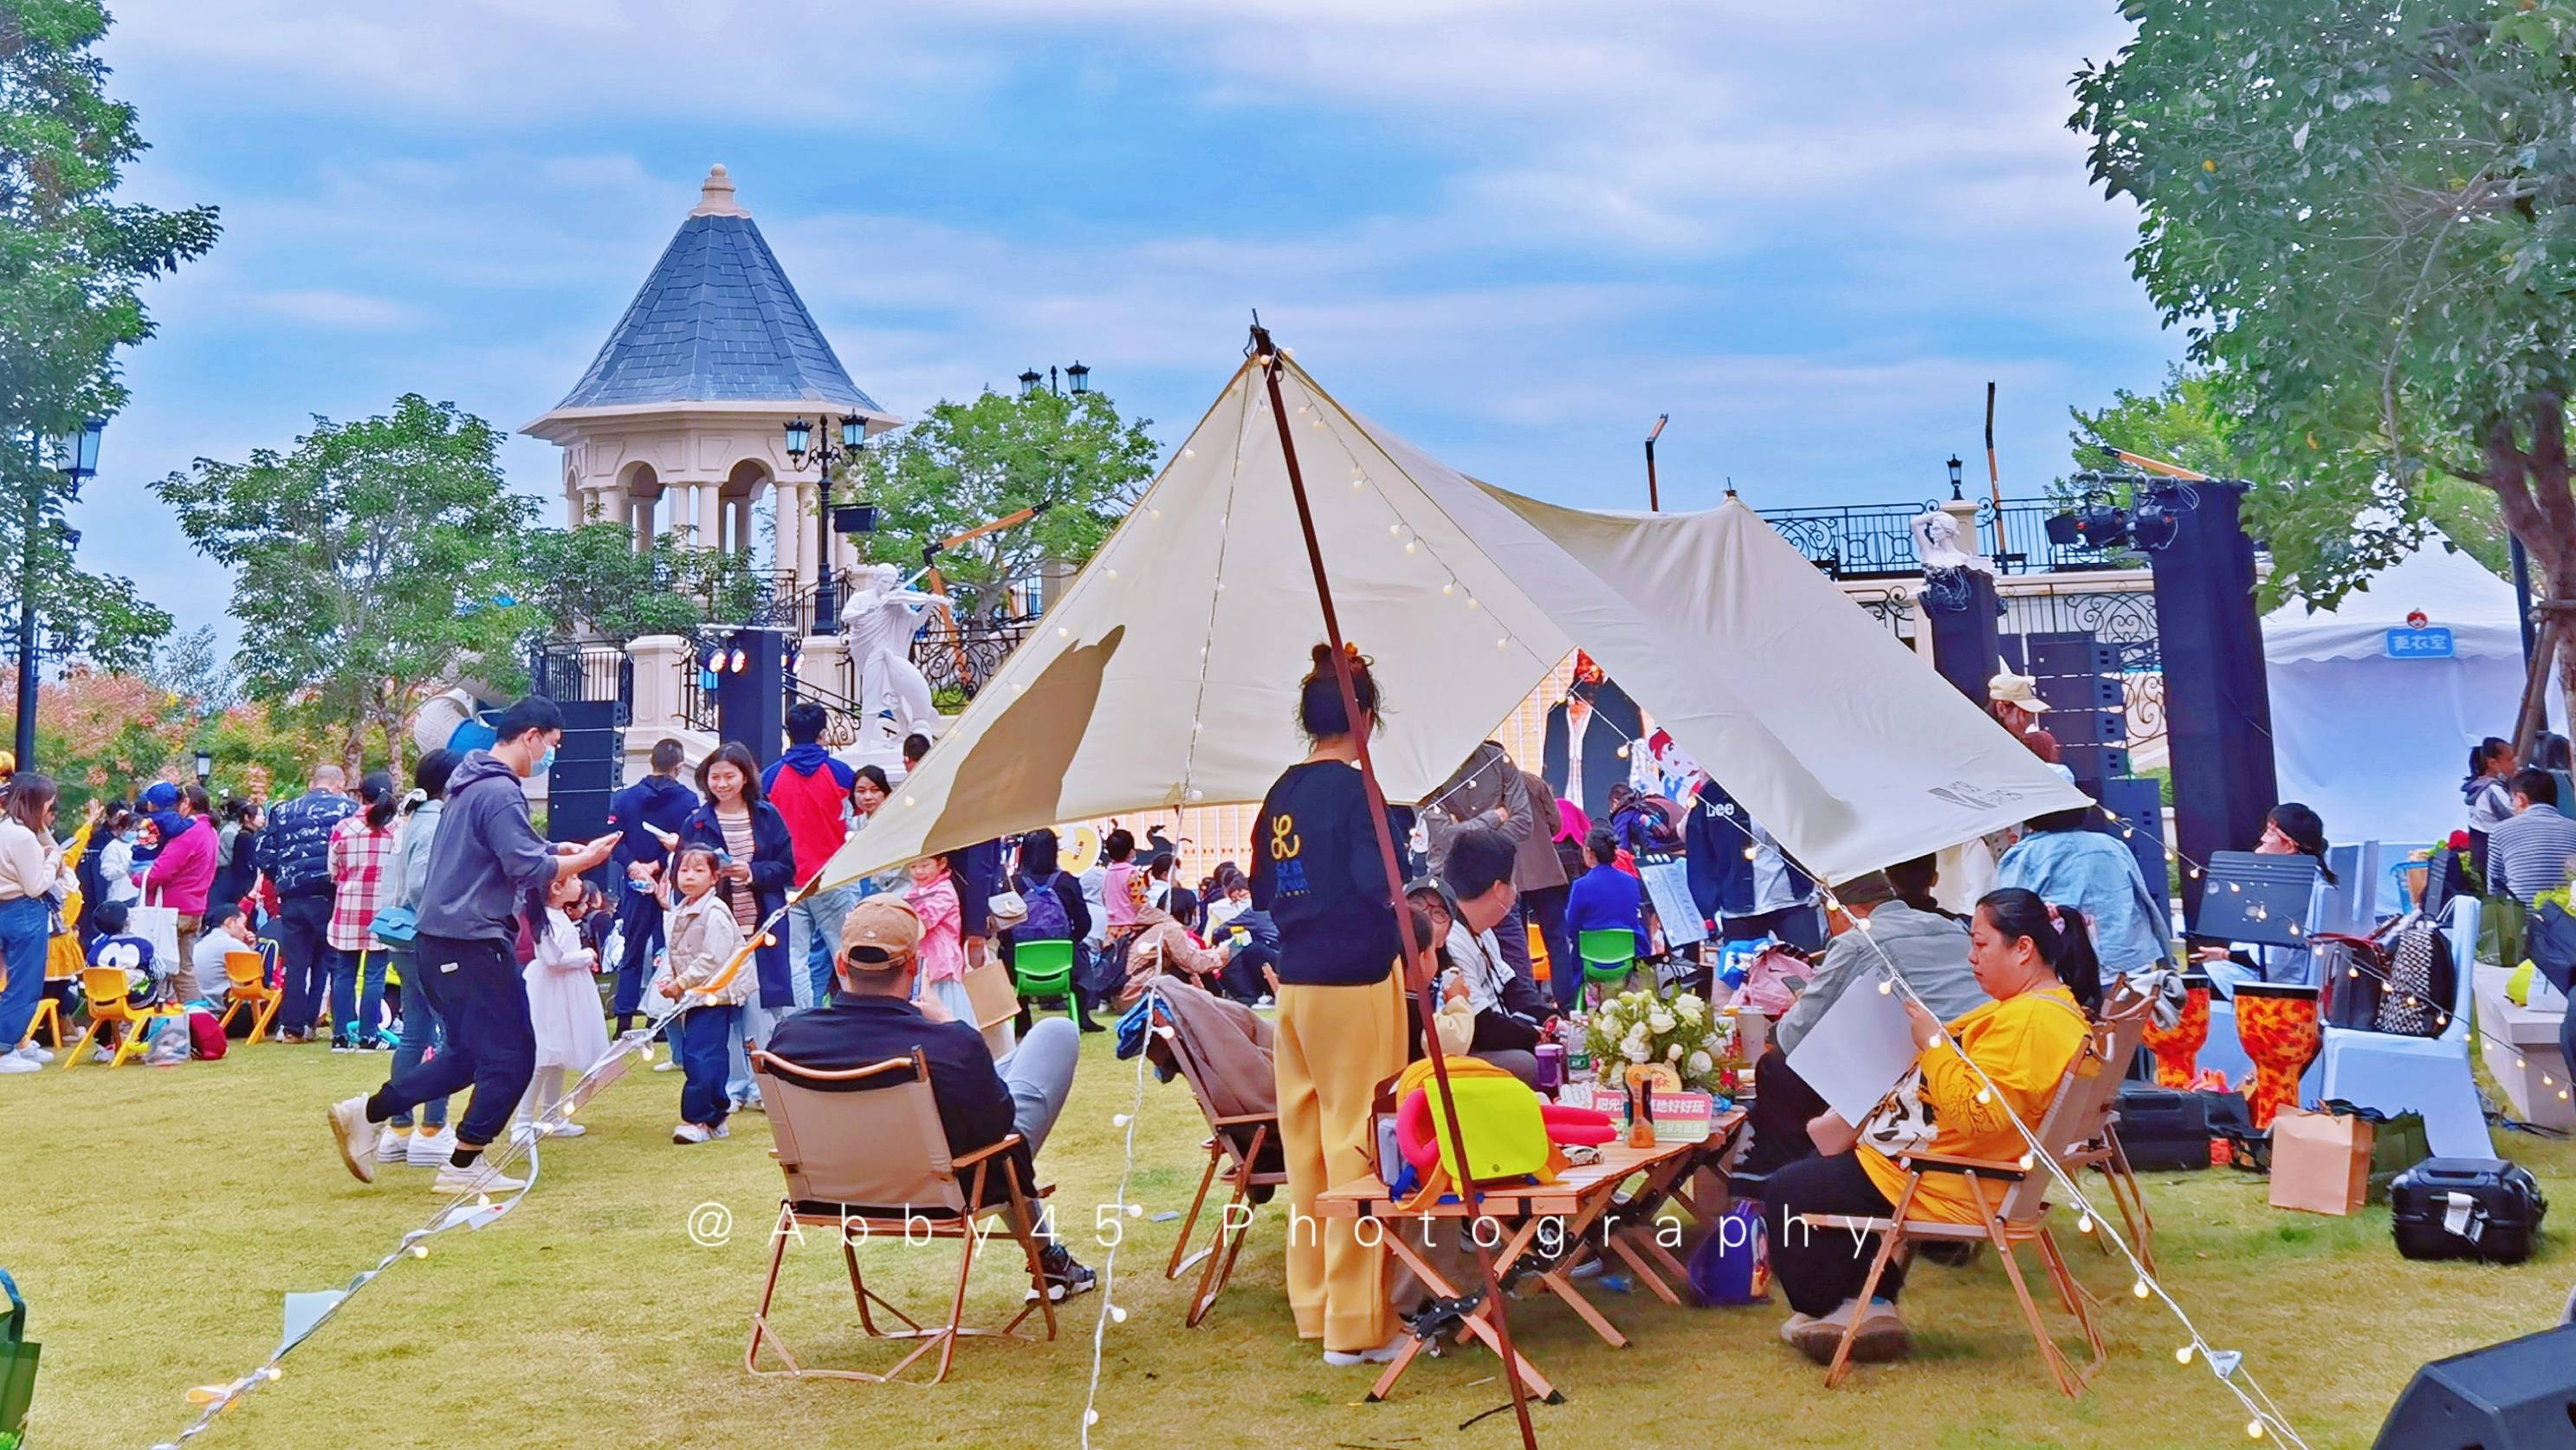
(1317, 870)
(1987, 1076)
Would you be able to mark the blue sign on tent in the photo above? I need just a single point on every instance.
(2420, 644)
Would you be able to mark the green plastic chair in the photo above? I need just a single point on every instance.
(1608, 956)
(1043, 969)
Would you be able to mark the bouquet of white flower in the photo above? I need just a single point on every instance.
(1639, 1027)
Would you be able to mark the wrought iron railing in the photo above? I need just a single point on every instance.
(1876, 541)
(584, 673)
(964, 655)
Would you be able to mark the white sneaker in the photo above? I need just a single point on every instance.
(666, 1066)
(692, 1133)
(484, 1177)
(357, 1138)
(392, 1147)
(429, 1150)
(100, 1055)
(1344, 1358)
(19, 1062)
(39, 1054)
(569, 1130)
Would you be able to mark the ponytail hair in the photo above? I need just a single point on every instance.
(2306, 831)
(1319, 695)
(2058, 933)
(2484, 754)
(377, 790)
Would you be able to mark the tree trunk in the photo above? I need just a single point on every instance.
(2531, 484)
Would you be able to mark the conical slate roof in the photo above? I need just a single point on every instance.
(717, 322)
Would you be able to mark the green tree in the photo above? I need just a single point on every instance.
(373, 564)
(72, 264)
(968, 464)
(2364, 216)
(592, 582)
(2183, 422)
(191, 668)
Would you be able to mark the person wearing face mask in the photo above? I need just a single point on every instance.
(485, 858)
(116, 861)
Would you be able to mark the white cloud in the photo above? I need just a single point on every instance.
(327, 307)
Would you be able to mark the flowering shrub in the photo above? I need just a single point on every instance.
(1639, 1026)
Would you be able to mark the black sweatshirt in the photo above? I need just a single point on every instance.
(1316, 870)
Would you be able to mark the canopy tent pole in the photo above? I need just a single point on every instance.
(1424, 983)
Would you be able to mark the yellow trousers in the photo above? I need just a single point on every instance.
(1334, 1046)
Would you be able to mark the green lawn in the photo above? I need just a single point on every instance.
(157, 1216)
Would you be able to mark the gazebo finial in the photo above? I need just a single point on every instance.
(716, 197)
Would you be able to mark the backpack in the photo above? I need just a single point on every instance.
(206, 1035)
(1046, 920)
(1500, 1116)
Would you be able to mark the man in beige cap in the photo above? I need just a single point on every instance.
(873, 1016)
(2015, 703)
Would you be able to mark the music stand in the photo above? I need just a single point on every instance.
(2263, 899)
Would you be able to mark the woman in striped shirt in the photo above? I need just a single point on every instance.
(757, 869)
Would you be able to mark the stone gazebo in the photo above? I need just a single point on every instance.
(678, 425)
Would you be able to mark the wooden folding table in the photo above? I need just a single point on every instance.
(1575, 1203)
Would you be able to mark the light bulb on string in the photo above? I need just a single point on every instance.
(2183, 1355)
(2139, 1288)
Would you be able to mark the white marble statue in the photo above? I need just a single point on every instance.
(880, 620)
(1936, 544)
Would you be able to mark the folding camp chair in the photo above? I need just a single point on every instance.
(109, 1004)
(1043, 969)
(864, 1155)
(2012, 1208)
(1245, 1148)
(2093, 1121)
(247, 974)
(1608, 958)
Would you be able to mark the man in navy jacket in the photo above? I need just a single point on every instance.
(657, 802)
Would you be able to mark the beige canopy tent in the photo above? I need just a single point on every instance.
(1167, 674)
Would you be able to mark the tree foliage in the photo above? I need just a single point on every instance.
(373, 564)
(967, 464)
(592, 582)
(72, 264)
(2364, 216)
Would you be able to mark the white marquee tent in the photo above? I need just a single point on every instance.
(2377, 745)
(1167, 673)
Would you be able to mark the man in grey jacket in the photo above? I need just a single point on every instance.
(484, 861)
(1903, 927)
(1488, 791)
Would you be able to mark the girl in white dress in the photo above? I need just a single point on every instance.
(563, 1002)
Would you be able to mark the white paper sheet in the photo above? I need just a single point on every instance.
(1668, 887)
(1857, 1050)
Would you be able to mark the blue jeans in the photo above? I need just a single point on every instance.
(752, 1021)
(356, 1009)
(639, 926)
(814, 938)
(307, 958)
(701, 1039)
(423, 1029)
(24, 938)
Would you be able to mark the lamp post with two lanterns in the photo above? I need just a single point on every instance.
(800, 445)
(75, 457)
(1077, 378)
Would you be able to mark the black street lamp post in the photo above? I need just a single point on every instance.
(75, 457)
(800, 444)
(1076, 379)
(1955, 495)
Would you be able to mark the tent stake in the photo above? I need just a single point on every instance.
(1424, 985)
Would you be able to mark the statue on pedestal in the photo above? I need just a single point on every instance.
(880, 621)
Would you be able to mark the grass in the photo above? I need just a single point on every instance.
(157, 1217)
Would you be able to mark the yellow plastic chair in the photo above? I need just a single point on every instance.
(109, 1003)
(247, 974)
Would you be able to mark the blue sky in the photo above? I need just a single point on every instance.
(1514, 232)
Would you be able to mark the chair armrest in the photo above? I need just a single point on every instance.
(1008, 1140)
(1244, 1120)
(1953, 1163)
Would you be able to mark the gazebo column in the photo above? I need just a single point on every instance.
(788, 538)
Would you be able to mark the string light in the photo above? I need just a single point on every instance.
(2139, 1288)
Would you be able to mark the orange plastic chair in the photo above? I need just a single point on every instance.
(108, 1003)
(1540, 966)
(247, 974)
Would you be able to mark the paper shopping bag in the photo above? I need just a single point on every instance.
(2320, 1161)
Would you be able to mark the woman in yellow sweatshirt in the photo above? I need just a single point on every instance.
(2037, 962)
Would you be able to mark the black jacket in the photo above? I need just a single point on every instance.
(295, 850)
(974, 1106)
